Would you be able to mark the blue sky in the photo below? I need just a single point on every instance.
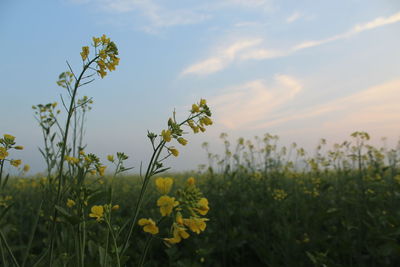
(301, 69)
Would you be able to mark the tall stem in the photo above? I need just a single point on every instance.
(62, 155)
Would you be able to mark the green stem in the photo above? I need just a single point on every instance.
(1, 170)
(114, 242)
(144, 253)
(4, 241)
(147, 177)
(62, 155)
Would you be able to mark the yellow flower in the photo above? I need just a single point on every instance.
(115, 207)
(16, 162)
(164, 185)
(179, 232)
(196, 225)
(195, 108)
(202, 206)
(110, 158)
(26, 168)
(85, 52)
(149, 226)
(96, 41)
(101, 170)
(9, 137)
(182, 141)
(203, 102)
(70, 203)
(102, 73)
(191, 181)
(173, 151)
(104, 39)
(71, 160)
(166, 205)
(97, 212)
(166, 135)
(206, 121)
(3, 153)
(19, 147)
(179, 218)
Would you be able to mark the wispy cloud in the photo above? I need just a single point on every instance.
(253, 101)
(377, 105)
(223, 58)
(217, 62)
(295, 16)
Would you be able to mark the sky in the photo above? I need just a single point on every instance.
(303, 70)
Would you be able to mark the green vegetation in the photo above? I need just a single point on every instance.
(266, 205)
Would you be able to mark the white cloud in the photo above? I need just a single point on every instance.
(292, 18)
(252, 102)
(223, 58)
(255, 52)
(375, 107)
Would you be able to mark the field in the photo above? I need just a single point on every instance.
(257, 204)
(271, 216)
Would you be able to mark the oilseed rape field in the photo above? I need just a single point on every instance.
(258, 203)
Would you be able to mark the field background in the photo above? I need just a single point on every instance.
(330, 212)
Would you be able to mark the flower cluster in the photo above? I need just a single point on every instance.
(185, 210)
(106, 53)
(198, 119)
(101, 211)
(88, 163)
(6, 144)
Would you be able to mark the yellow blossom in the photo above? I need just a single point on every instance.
(203, 102)
(166, 135)
(149, 226)
(101, 170)
(179, 218)
(71, 160)
(97, 212)
(179, 232)
(166, 205)
(16, 162)
(26, 168)
(164, 184)
(191, 181)
(195, 108)
(115, 207)
(3, 153)
(102, 73)
(202, 206)
(70, 203)
(110, 158)
(182, 141)
(96, 41)
(9, 137)
(196, 225)
(85, 52)
(174, 151)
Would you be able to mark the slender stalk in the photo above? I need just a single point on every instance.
(4, 241)
(147, 177)
(114, 242)
(62, 155)
(146, 248)
(1, 170)
(35, 224)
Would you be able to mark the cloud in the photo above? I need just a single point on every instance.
(244, 105)
(219, 62)
(223, 58)
(372, 108)
(292, 18)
